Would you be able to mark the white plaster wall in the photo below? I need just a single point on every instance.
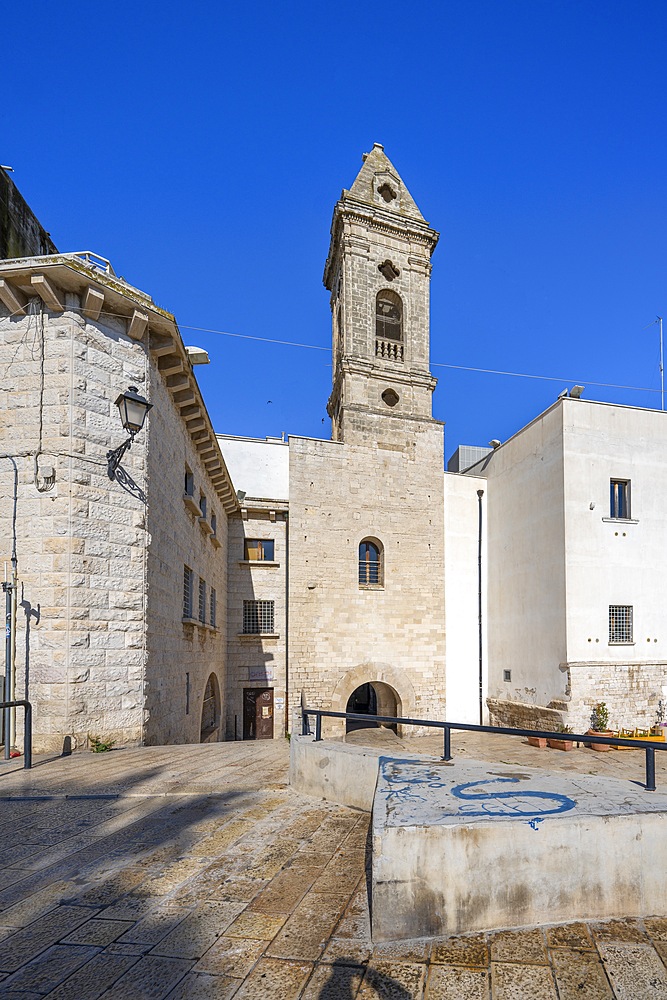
(461, 514)
(526, 563)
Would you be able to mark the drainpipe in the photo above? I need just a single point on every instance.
(10, 589)
(480, 494)
(287, 708)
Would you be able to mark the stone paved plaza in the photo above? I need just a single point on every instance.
(196, 872)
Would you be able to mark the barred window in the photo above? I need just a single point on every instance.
(619, 500)
(202, 600)
(258, 617)
(187, 592)
(212, 609)
(620, 623)
(370, 564)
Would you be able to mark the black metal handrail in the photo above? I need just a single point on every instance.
(498, 730)
(27, 743)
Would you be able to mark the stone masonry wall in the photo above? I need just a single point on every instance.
(630, 691)
(341, 635)
(181, 655)
(81, 543)
(256, 662)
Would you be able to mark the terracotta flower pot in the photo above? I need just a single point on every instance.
(538, 741)
(600, 747)
(561, 744)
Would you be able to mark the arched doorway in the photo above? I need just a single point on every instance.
(210, 713)
(372, 699)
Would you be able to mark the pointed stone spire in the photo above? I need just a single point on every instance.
(378, 183)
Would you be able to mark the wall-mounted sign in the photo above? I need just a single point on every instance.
(260, 673)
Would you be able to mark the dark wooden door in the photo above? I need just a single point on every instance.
(258, 714)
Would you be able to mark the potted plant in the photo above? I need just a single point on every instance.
(600, 725)
(562, 744)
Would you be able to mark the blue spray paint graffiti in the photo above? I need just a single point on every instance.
(514, 803)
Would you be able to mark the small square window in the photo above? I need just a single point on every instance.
(507, 675)
(620, 623)
(258, 617)
(619, 498)
(259, 549)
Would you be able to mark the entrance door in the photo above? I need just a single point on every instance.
(258, 713)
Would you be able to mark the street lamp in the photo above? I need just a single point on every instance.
(132, 409)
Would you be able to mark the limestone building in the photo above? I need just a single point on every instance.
(215, 581)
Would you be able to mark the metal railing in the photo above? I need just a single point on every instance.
(447, 728)
(27, 742)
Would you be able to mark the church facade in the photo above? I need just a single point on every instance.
(222, 581)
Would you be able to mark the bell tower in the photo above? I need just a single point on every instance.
(378, 273)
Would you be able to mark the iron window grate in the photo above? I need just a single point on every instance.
(258, 617)
(213, 609)
(202, 600)
(187, 592)
(620, 623)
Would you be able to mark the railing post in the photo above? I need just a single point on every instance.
(318, 727)
(447, 755)
(650, 769)
(305, 724)
(27, 744)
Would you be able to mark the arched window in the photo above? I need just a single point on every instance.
(389, 316)
(210, 716)
(371, 569)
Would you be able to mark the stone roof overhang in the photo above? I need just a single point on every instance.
(102, 292)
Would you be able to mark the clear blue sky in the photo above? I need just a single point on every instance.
(201, 147)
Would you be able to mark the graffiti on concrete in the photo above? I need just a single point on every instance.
(485, 802)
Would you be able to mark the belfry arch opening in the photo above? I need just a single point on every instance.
(375, 698)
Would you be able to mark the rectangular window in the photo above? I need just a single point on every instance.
(212, 603)
(620, 623)
(187, 592)
(619, 499)
(258, 617)
(189, 485)
(202, 601)
(259, 549)
(202, 504)
(214, 525)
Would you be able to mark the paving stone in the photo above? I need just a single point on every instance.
(619, 931)
(153, 927)
(401, 951)
(202, 986)
(634, 970)
(471, 950)
(354, 926)
(231, 957)
(54, 965)
(215, 843)
(348, 951)
(28, 942)
(262, 926)
(512, 981)
(334, 982)
(151, 978)
(284, 892)
(171, 877)
(98, 932)
(91, 981)
(336, 882)
(274, 979)
(656, 927)
(201, 928)
(308, 929)
(580, 974)
(128, 908)
(518, 946)
(447, 982)
(569, 936)
(35, 905)
(392, 981)
(111, 889)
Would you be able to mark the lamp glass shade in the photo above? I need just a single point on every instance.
(133, 409)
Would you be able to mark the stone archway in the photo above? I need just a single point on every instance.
(372, 699)
(394, 692)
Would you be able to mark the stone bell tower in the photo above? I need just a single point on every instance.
(378, 273)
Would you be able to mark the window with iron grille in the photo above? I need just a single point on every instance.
(620, 623)
(212, 608)
(370, 564)
(202, 600)
(258, 617)
(619, 498)
(187, 592)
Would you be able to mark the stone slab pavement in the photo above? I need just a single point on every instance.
(166, 873)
